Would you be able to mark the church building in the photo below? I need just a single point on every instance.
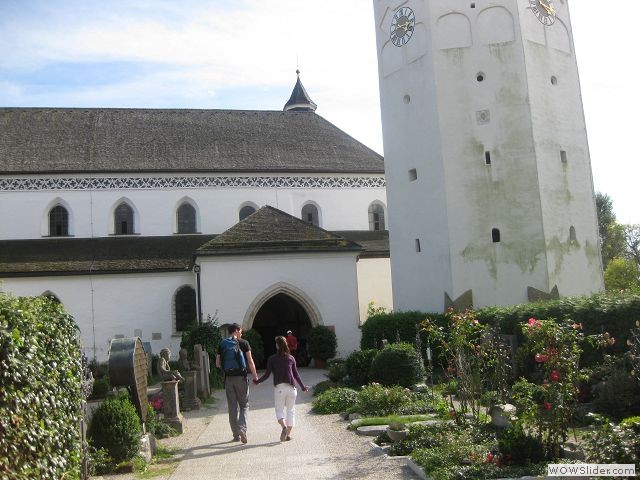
(142, 222)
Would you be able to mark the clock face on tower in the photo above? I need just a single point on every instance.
(543, 10)
(402, 26)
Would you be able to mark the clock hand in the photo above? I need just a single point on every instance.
(550, 10)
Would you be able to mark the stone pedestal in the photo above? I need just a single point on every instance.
(191, 400)
(172, 414)
(201, 359)
(147, 447)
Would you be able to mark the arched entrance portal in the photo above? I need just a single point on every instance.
(279, 314)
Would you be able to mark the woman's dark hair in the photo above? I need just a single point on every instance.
(283, 346)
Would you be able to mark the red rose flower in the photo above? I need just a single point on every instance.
(541, 358)
(554, 376)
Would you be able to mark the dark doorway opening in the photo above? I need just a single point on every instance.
(279, 314)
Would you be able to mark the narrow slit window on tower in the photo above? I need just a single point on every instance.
(473, 4)
(413, 174)
(554, 80)
(495, 235)
(487, 158)
(572, 233)
(418, 249)
(563, 156)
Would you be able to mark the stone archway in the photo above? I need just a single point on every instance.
(280, 308)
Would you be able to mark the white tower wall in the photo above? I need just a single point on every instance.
(439, 118)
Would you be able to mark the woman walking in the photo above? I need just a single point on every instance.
(285, 371)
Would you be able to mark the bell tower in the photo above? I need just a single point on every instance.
(489, 185)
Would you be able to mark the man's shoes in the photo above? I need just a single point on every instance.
(236, 438)
(288, 438)
(283, 435)
(243, 436)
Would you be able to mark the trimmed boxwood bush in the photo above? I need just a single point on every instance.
(336, 370)
(397, 364)
(322, 343)
(358, 366)
(115, 426)
(40, 390)
(335, 400)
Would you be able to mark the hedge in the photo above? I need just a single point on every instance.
(615, 313)
(40, 390)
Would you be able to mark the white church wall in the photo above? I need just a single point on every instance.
(374, 284)
(233, 285)
(108, 305)
(23, 211)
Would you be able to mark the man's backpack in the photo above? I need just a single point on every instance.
(232, 357)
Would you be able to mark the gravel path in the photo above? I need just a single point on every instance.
(321, 448)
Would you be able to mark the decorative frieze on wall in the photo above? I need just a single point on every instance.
(123, 183)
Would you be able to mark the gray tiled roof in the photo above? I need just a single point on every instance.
(134, 254)
(77, 256)
(39, 140)
(270, 230)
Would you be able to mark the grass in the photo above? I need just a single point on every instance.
(368, 421)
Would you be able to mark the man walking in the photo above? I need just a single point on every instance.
(234, 356)
(292, 343)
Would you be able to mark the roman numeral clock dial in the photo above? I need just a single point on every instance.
(543, 10)
(402, 26)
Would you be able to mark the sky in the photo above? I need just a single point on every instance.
(242, 54)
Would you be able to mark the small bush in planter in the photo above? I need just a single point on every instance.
(100, 388)
(397, 364)
(335, 400)
(358, 365)
(115, 426)
(376, 400)
(322, 343)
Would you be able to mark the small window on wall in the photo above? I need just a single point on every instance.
(123, 220)
(186, 216)
(185, 308)
(376, 217)
(487, 158)
(58, 222)
(310, 214)
(495, 235)
(572, 233)
(563, 156)
(246, 211)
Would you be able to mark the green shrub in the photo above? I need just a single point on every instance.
(631, 422)
(377, 400)
(257, 346)
(616, 394)
(519, 447)
(321, 387)
(335, 400)
(612, 443)
(322, 343)
(164, 430)
(115, 426)
(336, 370)
(152, 420)
(100, 463)
(40, 390)
(405, 325)
(100, 387)
(358, 365)
(397, 364)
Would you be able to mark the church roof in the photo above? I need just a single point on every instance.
(270, 230)
(77, 256)
(299, 100)
(136, 254)
(99, 140)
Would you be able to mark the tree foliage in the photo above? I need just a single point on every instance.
(612, 242)
(622, 274)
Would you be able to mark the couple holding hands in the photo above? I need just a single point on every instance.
(234, 357)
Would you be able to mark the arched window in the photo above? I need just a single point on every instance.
(495, 235)
(58, 221)
(572, 233)
(186, 218)
(123, 219)
(246, 211)
(376, 217)
(185, 308)
(310, 214)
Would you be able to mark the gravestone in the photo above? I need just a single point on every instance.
(191, 400)
(206, 369)
(172, 414)
(128, 368)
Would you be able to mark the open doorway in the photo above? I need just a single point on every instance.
(279, 314)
